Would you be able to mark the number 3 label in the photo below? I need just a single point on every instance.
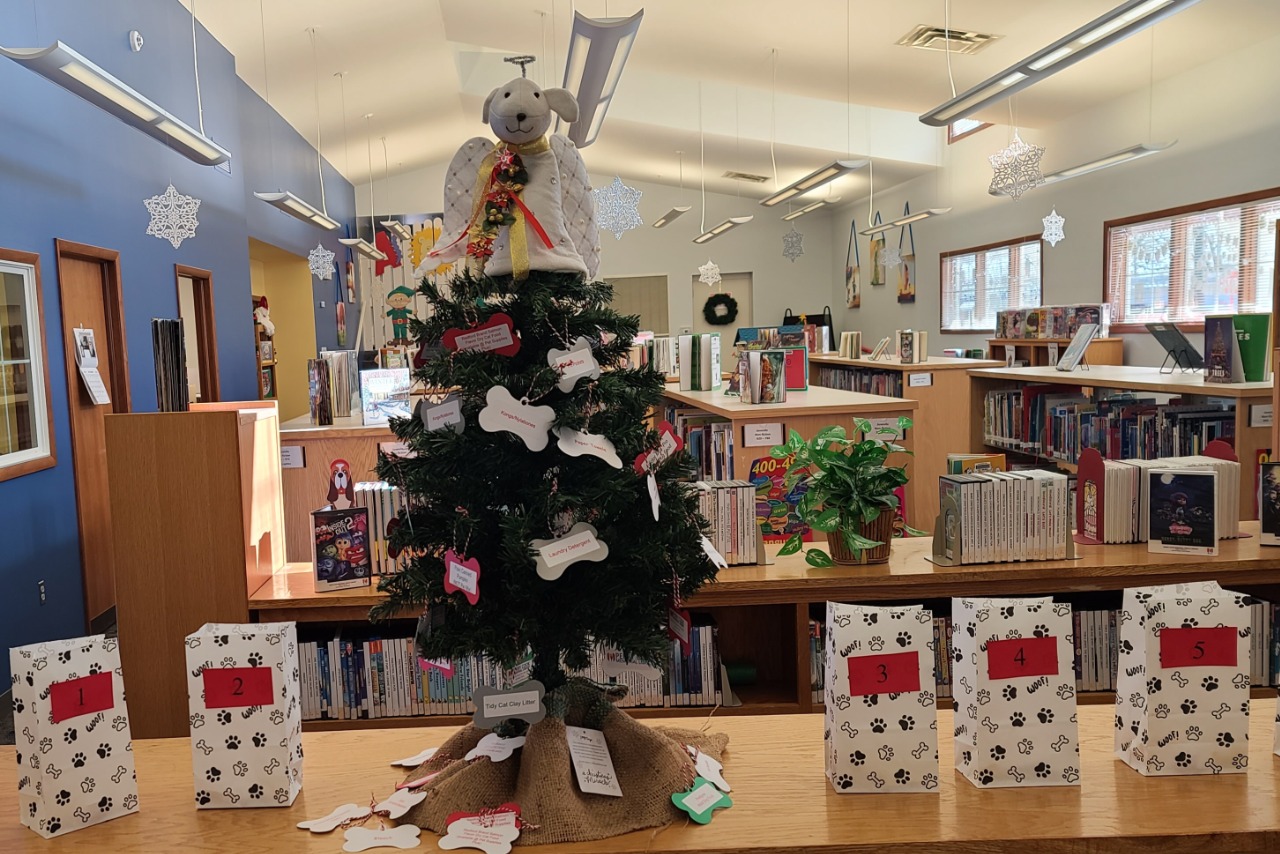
(83, 696)
(235, 687)
(1210, 647)
(884, 674)
(1016, 657)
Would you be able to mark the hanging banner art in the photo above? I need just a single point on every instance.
(876, 254)
(852, 273)
(907, 267)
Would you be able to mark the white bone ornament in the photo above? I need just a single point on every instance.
(493, 835)
(503, 412)
(346, 812)
(495, 747)
(555, 555)
(576, 362)
(654, 500)
(576, 443)
(401, 802)
(708, 768)
(404, 836)
(417, 759)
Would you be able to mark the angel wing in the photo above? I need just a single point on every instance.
(577, 203)
(459, 187)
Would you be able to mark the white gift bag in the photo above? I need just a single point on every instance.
(1182, 691)
(881, 708)
(1015, 721)
(246, 718)
(75, 753)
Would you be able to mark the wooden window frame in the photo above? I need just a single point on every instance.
(1177, 262)
(952, 139)
(17, 470)
(206, 327)
(979, 272)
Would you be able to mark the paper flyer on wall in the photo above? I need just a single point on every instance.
(87, 362)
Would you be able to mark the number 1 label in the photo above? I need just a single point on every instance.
(235, 687)
(1017, 657)
(884, 674)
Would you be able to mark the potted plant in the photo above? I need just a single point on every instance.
(849, 491)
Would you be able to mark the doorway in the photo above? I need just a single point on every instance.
(285, 280)
(200, 334)
(91, 297)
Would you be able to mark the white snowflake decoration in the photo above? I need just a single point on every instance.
(1017, 168)
(173, 216)
(616, 207)
(890, 257)
(1053, 228)
(709, 274)
(320, 260)
(792, 245)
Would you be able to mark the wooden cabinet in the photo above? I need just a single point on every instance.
(1036, 351)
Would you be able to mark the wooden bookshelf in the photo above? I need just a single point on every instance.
(942, 396)
(1248, 440)
(1035, 351)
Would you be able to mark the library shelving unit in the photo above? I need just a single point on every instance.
(1247, 397)
(1035, 351)
(940, 388)
(266, 367)
(763, 611)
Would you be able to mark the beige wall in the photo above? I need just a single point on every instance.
(285, 280)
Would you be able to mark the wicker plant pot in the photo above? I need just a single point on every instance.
(881, 530)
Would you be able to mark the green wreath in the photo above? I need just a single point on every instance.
(720, 310)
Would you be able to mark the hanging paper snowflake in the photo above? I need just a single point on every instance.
(173, 216)
(709, 274)
(616, 207)
(1017, 168)
(320, 260)
(890, 257)
(1053, 228)
(792, 245)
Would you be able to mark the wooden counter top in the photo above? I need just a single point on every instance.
(893, 363)
(1127, 377)
(816, 401)
(782, 802)
(349, 427)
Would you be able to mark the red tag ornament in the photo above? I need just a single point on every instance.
(84, 696)
(444, 665)
(495, 335)
(462, 575)
(891, 673)
(678, 627)
(1210, 647)
(237, 687)
(668, 444)
(1017, 657)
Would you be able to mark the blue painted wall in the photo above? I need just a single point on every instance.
(69, 170)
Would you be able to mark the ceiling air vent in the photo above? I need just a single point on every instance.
(937, 38)
(745, 176)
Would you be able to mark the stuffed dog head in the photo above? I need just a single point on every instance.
(520, 111)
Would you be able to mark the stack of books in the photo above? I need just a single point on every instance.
(998, 517)
(1052, 321)
(730, 507)
(384, 503)
(913, 346)
(707, 438)
(656, 351)
(699, 362)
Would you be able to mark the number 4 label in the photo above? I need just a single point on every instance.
(236, 687)
(1017, 657)
(884, 674)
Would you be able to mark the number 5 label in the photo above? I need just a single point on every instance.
(1211, 647)
(1017, 657)
(235, 687)
(884, 674)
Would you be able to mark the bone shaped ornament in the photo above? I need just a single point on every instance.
(447, 414)
(495, 747)
(401, 802)
(417, 759)
(576, 362)
(492, 835)
(576, 444)
(502, 412)
(555, 555)
(404, 836)
(346, 812)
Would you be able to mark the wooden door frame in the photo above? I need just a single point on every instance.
(206, 327)
(116, 344)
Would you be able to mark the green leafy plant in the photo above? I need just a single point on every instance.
(847, 483)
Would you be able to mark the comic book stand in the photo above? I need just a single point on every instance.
(1179, 355)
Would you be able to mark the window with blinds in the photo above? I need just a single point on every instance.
(978, 282)
(1179, 265)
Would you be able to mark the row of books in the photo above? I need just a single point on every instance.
(1052, 321)
(1237, 348)
(761, 375)
(698, 361)
(384, 503)
(1096, 635)
(707, 438)
(814, 338)
(660, 352)
(865, 380)
(913, 346)
(997, 517)
(359, 675)
(344, 381)
(730, 507)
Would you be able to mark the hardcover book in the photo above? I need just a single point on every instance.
(1222, 362)
(1183, 516)
(1269, 489)
(340, 548)
(384, 394)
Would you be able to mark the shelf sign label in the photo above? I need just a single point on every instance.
(293, 457)
(1018, 657)
(919, 380)
(892, 673)
(1207, 647)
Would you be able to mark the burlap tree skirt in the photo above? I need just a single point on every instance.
(651, 763)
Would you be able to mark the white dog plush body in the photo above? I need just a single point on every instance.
(557, 194)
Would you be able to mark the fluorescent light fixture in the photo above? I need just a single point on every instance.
(364, 247)
(730, 223)
(598, 50)
(809, 208)
(78, 75)
(398, 228)
(814, 179)
(675, 213)
(1133, 152)
(906, 219)
(297, 208)
(1129, 17)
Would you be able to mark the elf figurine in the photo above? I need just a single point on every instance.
(399, 300)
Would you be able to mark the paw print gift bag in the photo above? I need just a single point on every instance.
(881, 708)
(246, 717)
(1182, 691)
(75, 752)
(1014, 676)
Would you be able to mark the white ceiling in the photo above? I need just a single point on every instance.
(422, 68)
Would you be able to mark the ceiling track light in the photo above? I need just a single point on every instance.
(809, 208)
(297, 208)
(1117, 25)
(598, 50)
(398, 228)
(73, 72)
(364, 247)
(672, 214)
(906, 220)
(1125, 155)
(813, 180)
(729, 224)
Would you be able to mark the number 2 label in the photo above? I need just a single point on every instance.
(884, 674)
(1016, 657)
(234, 687)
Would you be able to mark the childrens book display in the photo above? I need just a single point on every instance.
(975, 463)
(997, 517)
(384, 394)
(1182, 512)
(320, 392)
(1237, 348)
(776, 501)
(699, 362)
(383, 502)
(1052, 321)
(1176, 347)
(340, 548)
(765, 377)
(851, 345)
(1072, 358)
(913, 347)
(730, 507)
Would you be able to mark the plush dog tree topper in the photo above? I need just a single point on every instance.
(529, 541)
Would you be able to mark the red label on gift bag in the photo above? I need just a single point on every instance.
(84, 696)
(1010, 659)
(892, 673)
(1215, 647)
(233, 687)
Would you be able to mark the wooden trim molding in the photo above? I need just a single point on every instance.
(206, 327)
(121, 400)
(47, 462)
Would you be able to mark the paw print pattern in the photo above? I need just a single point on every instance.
(997, 753)
(985, 777)
(213, 775)
(62, 798)
(1182, 760)
(70, 735)
(233, 742)
(907, 723)
(1226, 739)
(1018, 719)
(1040, 631)
(858, 757)
(904, 639)
(1009, 692)
(103, 751)
(259, 740)
(844, 781)
(255, 791)
(54, 825)
(203, 797)
(104, 804)
(254, 660)
(224, 717)
(240, 769)
(78, 760)
(870, 700)
(1153, 685)
(1188, 706)
(902, 776)
(1209, 683)
(877, 725)
(1045, 716)
(1043, 770)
